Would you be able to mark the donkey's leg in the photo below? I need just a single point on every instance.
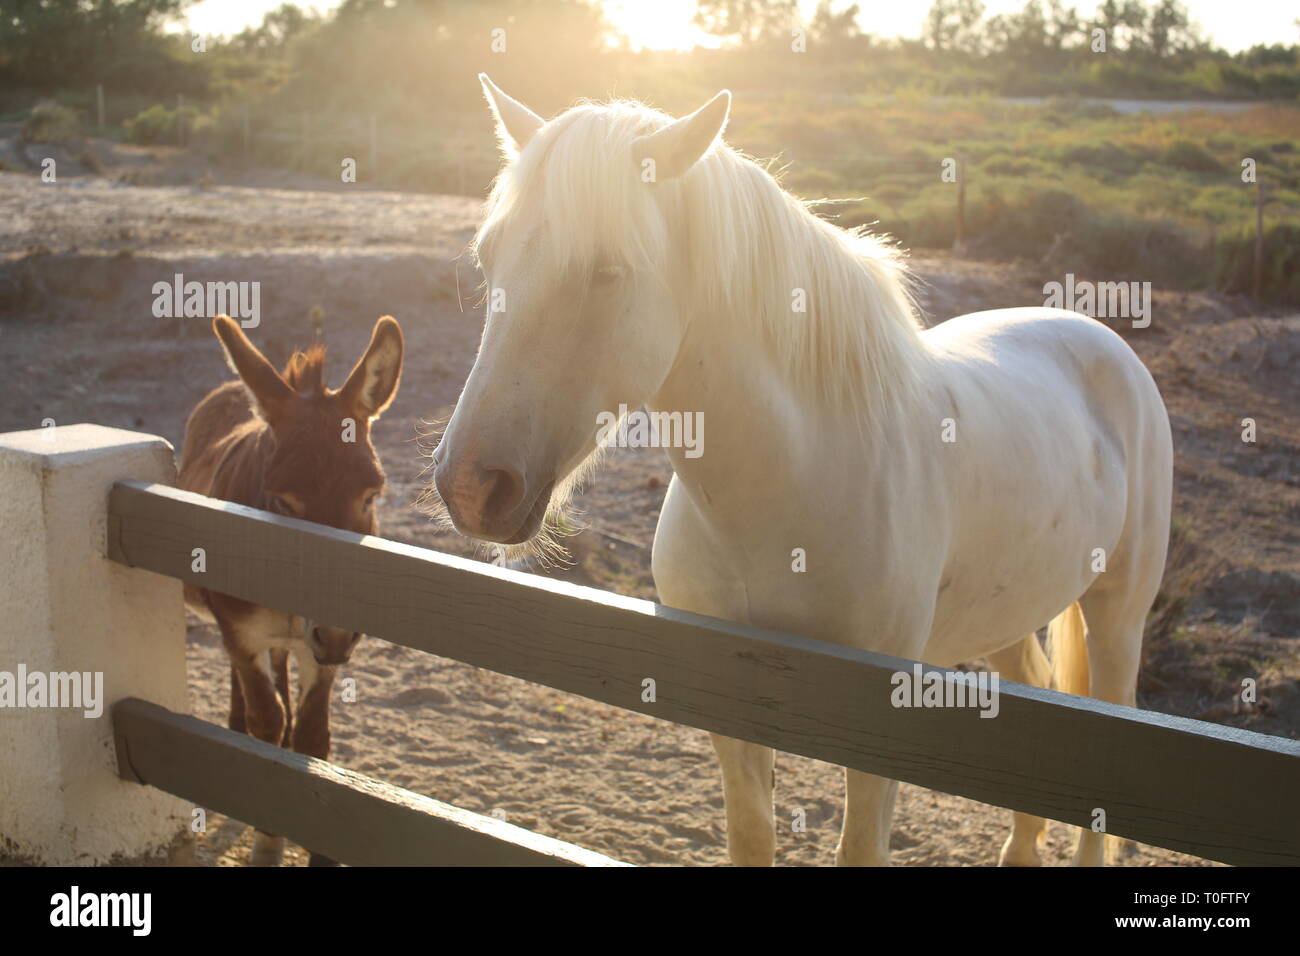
(265, 717)
(1024, 663)
(868, 816)
(280, 672)
(311, 730)
(748, 777)
(263, 713)
(237, 721)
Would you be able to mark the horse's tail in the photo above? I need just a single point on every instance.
(1068, 651)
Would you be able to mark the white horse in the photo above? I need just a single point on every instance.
(952, 489)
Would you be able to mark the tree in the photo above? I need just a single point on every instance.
(1036, 35)
(954, 25)
(277, 29)
(1122, 20)
(1063, 25)
(1169, 31)
(1020, 35)
(749, 21)
(829, 27)
(65, 42)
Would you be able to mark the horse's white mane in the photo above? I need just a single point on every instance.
(749, 243)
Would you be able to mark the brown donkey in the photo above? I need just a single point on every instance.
(286, 443)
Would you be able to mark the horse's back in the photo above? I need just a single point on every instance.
(1061, 446)
(1011, 333)
(1053, 355)
(1058, 369)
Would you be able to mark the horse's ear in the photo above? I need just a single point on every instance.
(372, 384)
(516, 123)
(678, 146)
(270, 392)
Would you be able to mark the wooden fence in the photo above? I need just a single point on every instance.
(347, 816)
(1213, 791)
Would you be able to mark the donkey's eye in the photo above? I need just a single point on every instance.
(282, 505)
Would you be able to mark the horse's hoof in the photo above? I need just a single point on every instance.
(319, 859)
(1012, 855)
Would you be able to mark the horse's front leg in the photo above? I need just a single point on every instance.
(868, 816)
(311, 728)
(748, 776)
(869, 799)
(692, 571)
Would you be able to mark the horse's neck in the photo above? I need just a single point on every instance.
(759, 427)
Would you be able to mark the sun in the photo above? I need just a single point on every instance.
(657, 24)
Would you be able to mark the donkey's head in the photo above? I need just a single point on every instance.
(585, 249)
(321, 465)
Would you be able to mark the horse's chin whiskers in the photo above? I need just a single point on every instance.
(546, 546)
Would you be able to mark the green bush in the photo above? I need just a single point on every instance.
(157, 124)
(50, 122)
(1235, 263)
(1014, 167)
(1108, 160)
(1184, 154)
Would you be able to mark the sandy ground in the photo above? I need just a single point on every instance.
(78, 342)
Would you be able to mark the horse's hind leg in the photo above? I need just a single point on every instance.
(748, 776)
(1024, 663)
(1114, 615)
(1115, 605)
(1114, 620)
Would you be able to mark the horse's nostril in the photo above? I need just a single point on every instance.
(479, 497)
(505, 490)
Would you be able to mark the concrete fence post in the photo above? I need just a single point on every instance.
(71, 621)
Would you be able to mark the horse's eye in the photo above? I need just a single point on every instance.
(606, 275)
(370, 500)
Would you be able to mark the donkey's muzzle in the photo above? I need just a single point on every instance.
(331, 646)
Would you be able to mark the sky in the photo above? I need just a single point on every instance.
(666, 24)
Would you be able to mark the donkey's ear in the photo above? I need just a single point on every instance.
(270, 392)
(516, 123)
(678, 146)
(371, 386)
